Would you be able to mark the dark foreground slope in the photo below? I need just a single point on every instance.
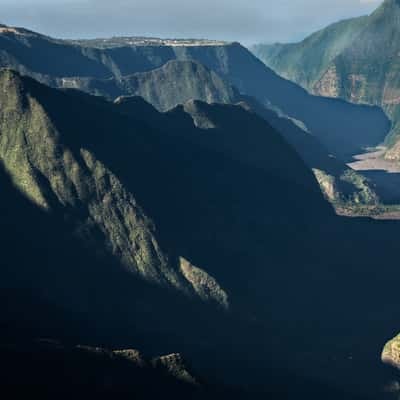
(168, 237)
(50, 369)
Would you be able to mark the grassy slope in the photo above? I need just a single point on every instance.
(314, 54)
(369, 69)
(363, 68)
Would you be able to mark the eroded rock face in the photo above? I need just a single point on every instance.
(329, 84)
(357, 84)
(391, 352)
(53, 176)
(393, 154)
(204, 285)
(175, 366)
(172, 365)
(103, 212)
(327, 184)
(356, 60)
(132, 355)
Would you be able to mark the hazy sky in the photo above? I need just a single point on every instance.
(247, 21)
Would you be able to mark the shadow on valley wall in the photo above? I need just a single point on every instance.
(313, 296)
(343, 128)
(322, 284)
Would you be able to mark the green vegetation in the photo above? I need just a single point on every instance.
(174, 83)
(306, 62)
(167, 74)
(201, 230)
(356, 60)
(347, 189)
(54, 175)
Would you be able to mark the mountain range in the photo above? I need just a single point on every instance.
(355, 60)
(163, 196)
(167, 75)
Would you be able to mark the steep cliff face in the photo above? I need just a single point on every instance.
(46, 58)
(342, 128)
(180, 83)
(363, 69)
(189, 201)
(66, 178)
(90, 179)
(314, 54)
(391, 352)
(53, 176)
(94, 164)
(165, 87)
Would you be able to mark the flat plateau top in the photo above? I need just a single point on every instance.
(122, 41)
(145, 41)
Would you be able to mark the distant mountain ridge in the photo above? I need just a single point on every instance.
(326, 44)
(165, 87)
(123, 41)
(356, 60)
(54, 62)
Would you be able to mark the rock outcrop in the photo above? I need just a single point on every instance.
(391, 352)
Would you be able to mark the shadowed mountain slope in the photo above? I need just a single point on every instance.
(165, 87)
(80, 226)
(203, 247)
(49, 368)
(180, 82)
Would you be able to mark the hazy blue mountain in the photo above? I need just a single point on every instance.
(356, 60)
(306, 62)
(165, 87)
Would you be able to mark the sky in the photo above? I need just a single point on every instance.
(246, 21)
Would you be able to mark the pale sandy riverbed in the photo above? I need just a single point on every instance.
(383, 173)
(374, 161)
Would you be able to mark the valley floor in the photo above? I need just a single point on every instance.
(373, 160)
(385, 175)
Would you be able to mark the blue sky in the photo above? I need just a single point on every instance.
(248, 21)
